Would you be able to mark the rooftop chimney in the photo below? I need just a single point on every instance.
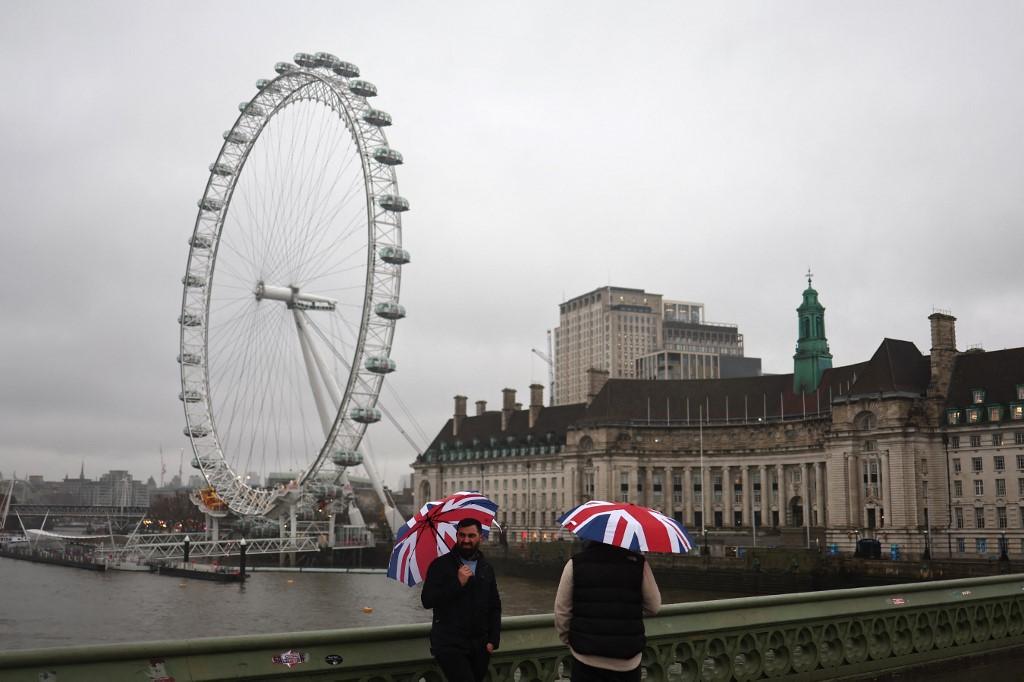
(536, 402)
(508, 405)
(943, 353)
(460, 415)
(596, 379)
(481, 407)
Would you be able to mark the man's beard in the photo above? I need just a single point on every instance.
(467, 552)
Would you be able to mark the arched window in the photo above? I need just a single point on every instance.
(585, 443)
(865, 421)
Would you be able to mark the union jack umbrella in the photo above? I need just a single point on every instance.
(431, 533)
(629, 526)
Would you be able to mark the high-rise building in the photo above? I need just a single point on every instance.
(608, 329)
(633, 334)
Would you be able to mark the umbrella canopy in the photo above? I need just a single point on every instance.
(431, 533)
(629, 526)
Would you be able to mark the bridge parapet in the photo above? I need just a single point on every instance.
(806, 636)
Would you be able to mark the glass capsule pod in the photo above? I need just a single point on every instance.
(222, 169)
(284, 67)
(346, 458)
(190, 320)
(251, 109)
(201, 241)
(394, 255)
(393, 202)
(326, 60)
(194, 281)
(306, 60)
(190, 396)
(365, 415)
(189, 359)
(363, 88)
(346, 69)
(388, 156)
(376, 117)
(197, 431)
(210, 204)
(195, 463)
(379, 364)
(236, 136)
(389, 310)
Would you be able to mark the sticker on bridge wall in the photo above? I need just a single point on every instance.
(291, 658)
(157, 672)
(965, 593)
(897, 601)
(333, 659)
(48, 676)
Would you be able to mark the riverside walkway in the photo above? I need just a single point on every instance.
(838, 634)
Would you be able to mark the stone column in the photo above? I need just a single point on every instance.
(727, 496)
(705, 496)
(805, 492)
(649, 486)
(668, 492)
(854, 485)
(781, 501)
(883, 473)
(688, 495)
(747, 497)
(766, 491)
(819, 485)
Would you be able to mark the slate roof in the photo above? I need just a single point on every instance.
(997, 372)
(896, 366)
(555, 419)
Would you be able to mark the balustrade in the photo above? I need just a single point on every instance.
(816, 636)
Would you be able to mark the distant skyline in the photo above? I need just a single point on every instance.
(705, 152)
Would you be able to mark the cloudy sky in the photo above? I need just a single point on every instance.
(704, 151)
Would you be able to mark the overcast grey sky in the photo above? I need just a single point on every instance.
(704, 151)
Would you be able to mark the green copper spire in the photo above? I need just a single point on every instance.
(812, 357)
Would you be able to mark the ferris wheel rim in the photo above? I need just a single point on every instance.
(347, 97)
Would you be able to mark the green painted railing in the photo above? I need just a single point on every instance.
(808, 636)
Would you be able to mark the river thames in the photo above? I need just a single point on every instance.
(48, 606)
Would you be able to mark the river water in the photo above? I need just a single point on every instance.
(46, 606)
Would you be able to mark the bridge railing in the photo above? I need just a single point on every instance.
(807, 636)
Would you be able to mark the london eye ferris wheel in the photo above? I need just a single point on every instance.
(291, 292)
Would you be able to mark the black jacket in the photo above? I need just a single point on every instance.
(607, 602)
(464, 615)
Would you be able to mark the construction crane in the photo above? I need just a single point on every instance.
(547, 357)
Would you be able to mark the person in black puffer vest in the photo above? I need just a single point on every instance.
(603, 595)
(462, 590)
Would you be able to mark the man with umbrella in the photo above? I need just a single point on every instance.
(462, 590)
(608, 588)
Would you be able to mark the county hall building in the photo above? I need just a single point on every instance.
(914, 450)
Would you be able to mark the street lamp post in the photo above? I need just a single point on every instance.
(187, 543)
(927, 546)
(705, 533)
(241, 559)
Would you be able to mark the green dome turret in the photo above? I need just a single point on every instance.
(812, 356)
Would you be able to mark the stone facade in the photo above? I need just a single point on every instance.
(871, 452)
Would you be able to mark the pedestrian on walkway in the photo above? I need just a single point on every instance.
(604, 593)
(462, 590)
